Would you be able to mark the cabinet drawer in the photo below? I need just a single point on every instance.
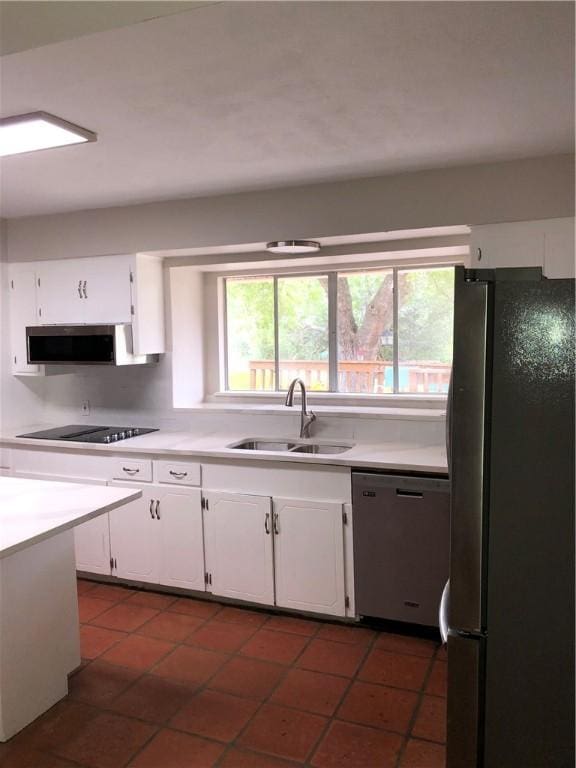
(132, 469)
(178, 472)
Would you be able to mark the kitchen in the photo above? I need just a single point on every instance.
(244, 594)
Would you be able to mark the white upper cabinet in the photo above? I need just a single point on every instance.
(548, 244)
(23, 312)
(85, 291)
(105, 290)
(309, 555)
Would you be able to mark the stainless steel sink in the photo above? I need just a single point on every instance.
(287, 446)
(263, 445)
(319, 448)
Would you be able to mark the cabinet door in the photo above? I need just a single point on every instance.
(182, 546)
(238, 535)
(92, 546)
(23, 312)
(86, 291)
(107, 291)
(135, 537)
(60, 297)
(309, 556)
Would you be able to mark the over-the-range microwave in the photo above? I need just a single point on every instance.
(83, 345)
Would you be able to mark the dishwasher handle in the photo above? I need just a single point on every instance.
(409, 493)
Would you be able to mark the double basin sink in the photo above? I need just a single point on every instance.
(289, 446)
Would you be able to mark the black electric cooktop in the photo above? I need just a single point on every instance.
(87, 433)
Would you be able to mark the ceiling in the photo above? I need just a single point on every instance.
(232, 96)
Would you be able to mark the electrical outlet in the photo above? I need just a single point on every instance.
(86, 408)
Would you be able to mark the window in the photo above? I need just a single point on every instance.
(376, 331)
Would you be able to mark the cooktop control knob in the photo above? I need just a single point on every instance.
(107, 439)
(129, 432)
(113, 437)
(121, 435)
(135, 431)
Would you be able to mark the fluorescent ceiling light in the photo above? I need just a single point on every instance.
(293, 246)
(39, 130)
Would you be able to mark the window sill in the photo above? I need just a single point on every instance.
(424, 407)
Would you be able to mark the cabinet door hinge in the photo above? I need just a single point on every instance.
(345, 518)
(347, 602)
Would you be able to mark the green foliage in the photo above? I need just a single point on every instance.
(303, 318)
(426, 315)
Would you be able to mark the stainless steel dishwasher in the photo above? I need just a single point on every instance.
(401, 545)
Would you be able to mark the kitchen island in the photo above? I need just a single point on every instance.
(39, 631)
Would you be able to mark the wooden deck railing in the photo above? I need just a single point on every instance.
(366, 376)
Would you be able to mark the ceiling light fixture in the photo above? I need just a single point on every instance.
(39, 130)
(293, 247)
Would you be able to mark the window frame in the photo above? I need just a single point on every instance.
(331, 274)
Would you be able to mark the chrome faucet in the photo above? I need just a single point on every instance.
(306, 417)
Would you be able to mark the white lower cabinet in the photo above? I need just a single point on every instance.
(285, 552)
(309, 556)
(92, 546)
(238, 540)
(158, 538)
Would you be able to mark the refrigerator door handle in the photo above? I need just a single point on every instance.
(443, 612)
(470, 409)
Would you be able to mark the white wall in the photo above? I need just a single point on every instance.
(520, 190)
(478, 195)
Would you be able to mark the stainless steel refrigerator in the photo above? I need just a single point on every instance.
(508, 611)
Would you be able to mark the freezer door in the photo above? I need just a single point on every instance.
(468, 436)
(465, 671)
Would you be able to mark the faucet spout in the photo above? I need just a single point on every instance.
(306, 417)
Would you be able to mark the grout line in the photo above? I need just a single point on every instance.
(416, 712)
(351, 681)
(281, 679)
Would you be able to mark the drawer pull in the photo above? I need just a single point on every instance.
(152, 508)
(409, 494)
(179, 475)
(130, 470)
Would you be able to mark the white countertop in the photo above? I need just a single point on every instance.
(34, 510)
(397, 456)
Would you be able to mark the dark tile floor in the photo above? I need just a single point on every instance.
(173, 682)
